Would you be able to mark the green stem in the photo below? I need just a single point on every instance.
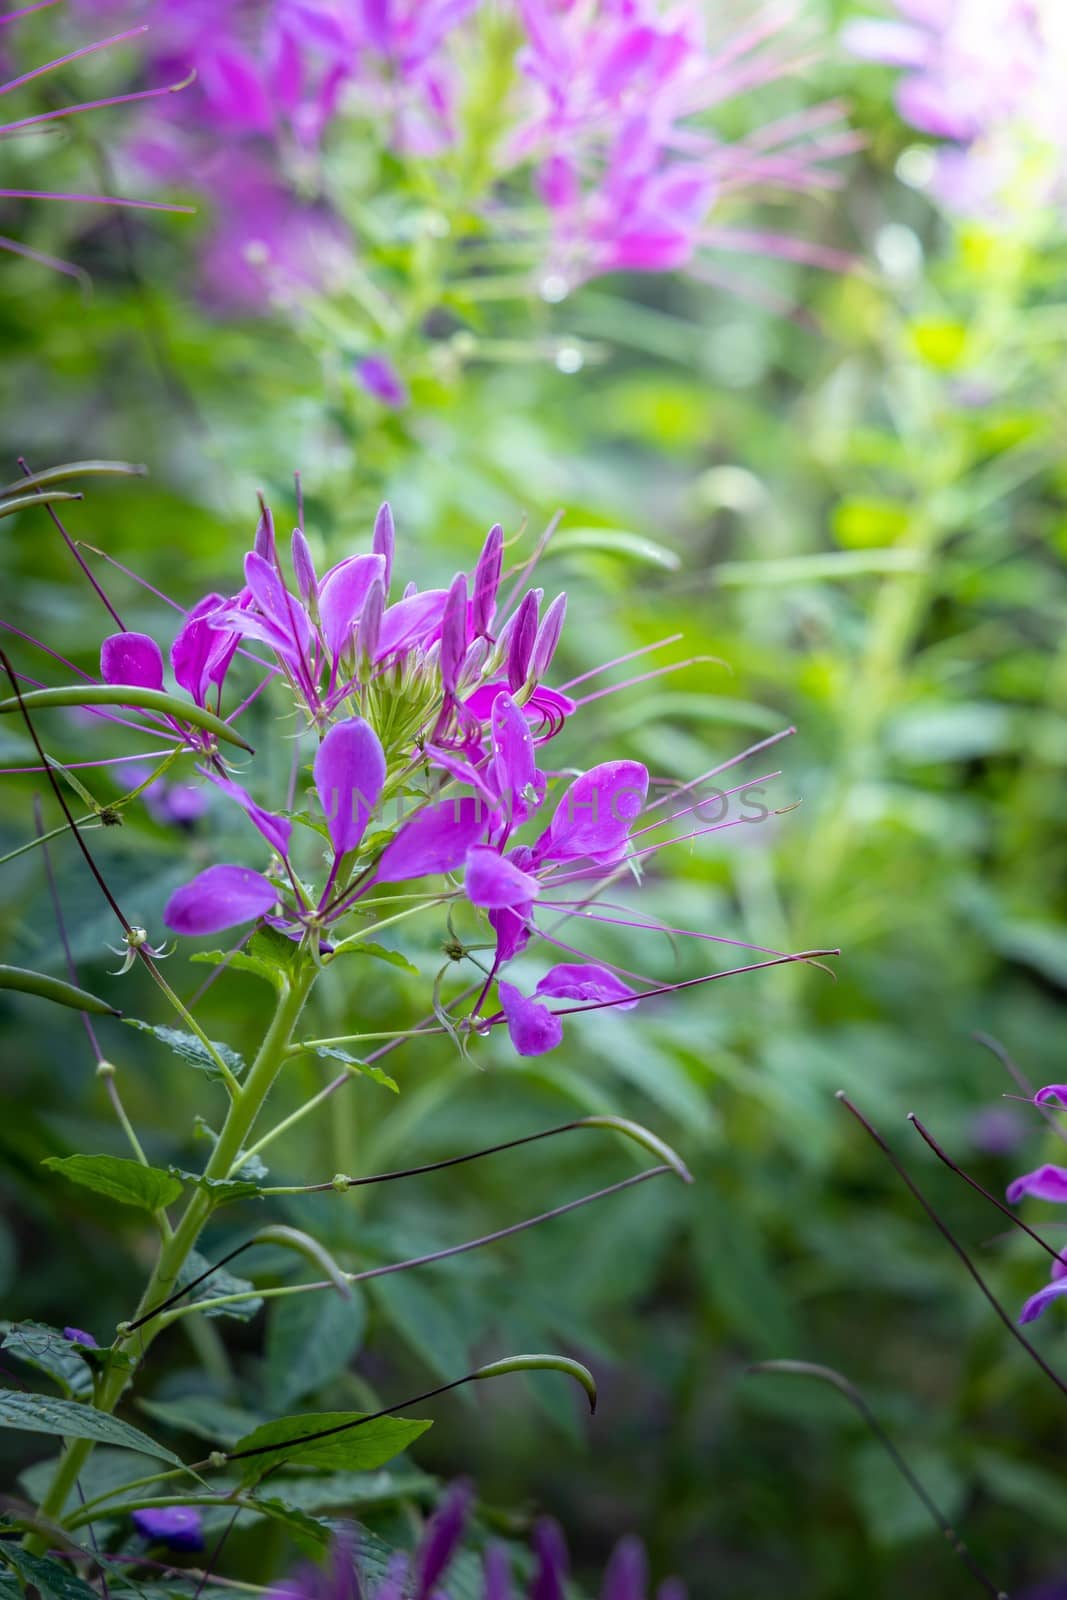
(244, 1109)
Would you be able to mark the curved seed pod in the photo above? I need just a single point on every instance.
(75, 469)
(309, 1248)
(543, 1363)
(46, 988)
(120, 694)
(642, 1136)
(21, 502)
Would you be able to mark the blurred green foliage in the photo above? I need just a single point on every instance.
(860, 510)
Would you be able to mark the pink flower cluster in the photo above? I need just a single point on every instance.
(985, 75)
(610, 108)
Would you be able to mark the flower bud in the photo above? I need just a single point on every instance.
(486, 580)
(384, 541)
(521, 642)
(370, 619)
(548, 637)
(454, 633)
(264, 540)
(304, 568)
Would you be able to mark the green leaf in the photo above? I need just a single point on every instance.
(220, 1189)
(36, 1413)
(366, 947)
(128, 1182)
(54, 989)
(311, 1338)
(362, 1069)
(191, 1049)
(203, 1416)
(270, 956)
(46, 1349)
(350, 1490)
(108, 694)
(310, 1533)
(428, 1322)
(219, 1282)
(359, 1445)
(51, 1579)
(616, 542)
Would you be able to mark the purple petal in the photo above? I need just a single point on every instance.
(493, 881)
(510, 924)
(394, 1584)
(514, 770)
(202, 652)
(342, 596)
(439, 1543)
(180, 1527)
(626, 1577)
(434, 840)
(263, 542)
(276, 830)
(222, 897)
(79, 1336)
(496, 1582)
(573, 980)
(378, 376)
(892, 43)
(454, 632)
(594, 816)
(486, 580)
(276, 603)
(132, 658)
(349, 777)
(413, 620)
(384, 541)
(1050, 1094)
(533, 1029)
(1044, 1297)
(550, 1578)
(1044, 1183)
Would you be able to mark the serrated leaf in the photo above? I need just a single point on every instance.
(363, 1069)
(219, 1282)
(270, 956)
(121, 1179)
(203, 1416)
(364, 947)
(310, 1341)
(46, 1349)
(51, 1579)
(69, 1419)
(190, 1049)
(358, 1445)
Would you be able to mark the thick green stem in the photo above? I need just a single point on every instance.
(244, 1109)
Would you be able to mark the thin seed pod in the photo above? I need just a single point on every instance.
(844, 1386)
(56, 990)
(123, 694)
(1006, 1211)
(309, 1248)
(74, 469)
(19, 502)
(493, 1369)
(947, 1234)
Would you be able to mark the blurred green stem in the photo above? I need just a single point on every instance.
(244, 1109)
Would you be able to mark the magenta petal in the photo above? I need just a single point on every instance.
(383, 542)
(595, 814)
(1044, 1183)
(492, 881)
(586, 981)
(414, 620)
(1044, 1297)
(533, 1029)
(434, 840)
(276, 830)
(222, 897)
(132, 658)
(1050, 1094)
(454, 632)
(486, 580)
(349, 777)
(342, 595)
(201, 653)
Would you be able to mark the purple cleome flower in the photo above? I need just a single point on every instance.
(178, 1527)
(1047, 1182)
(425, 1573)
